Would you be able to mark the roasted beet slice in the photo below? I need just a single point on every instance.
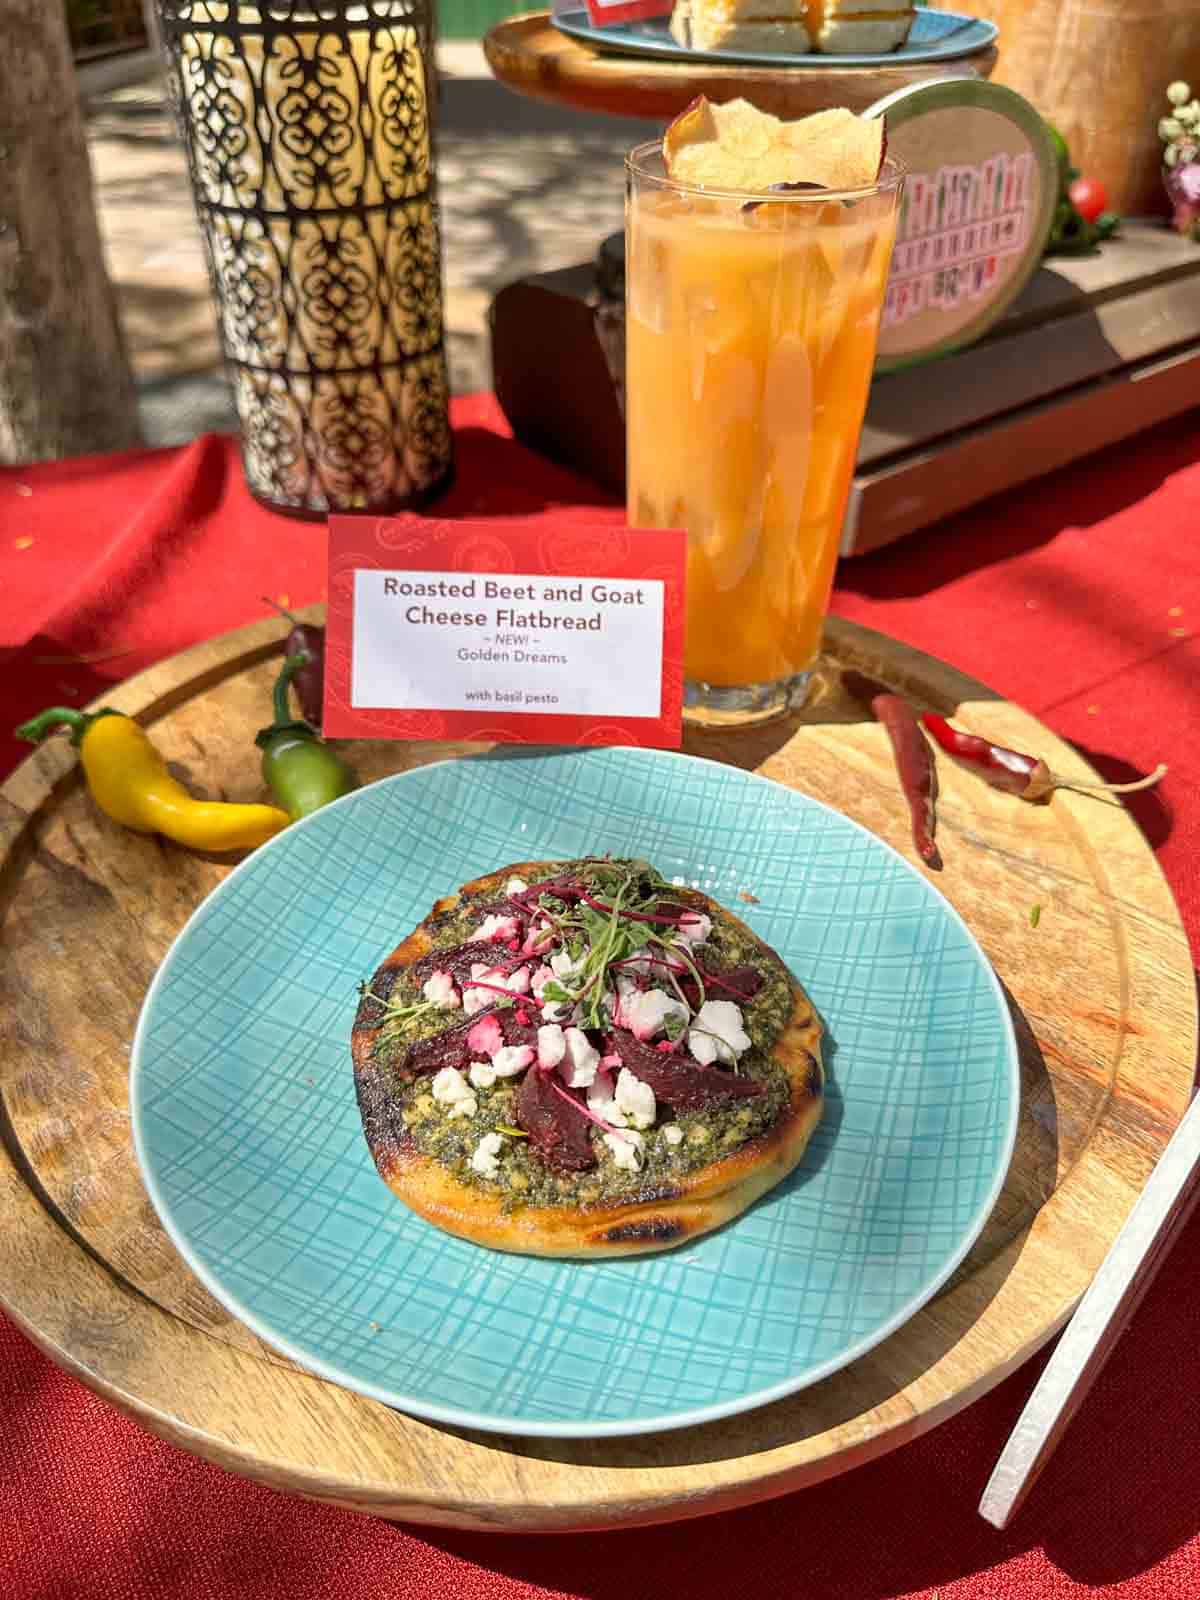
(556, 1130)
(448, 1049)
(741, 980)
(509, 906)
(723, 983)
(513, 1030)
(683, 1084)
(458, 959)
(565, 889)
(451, 1048)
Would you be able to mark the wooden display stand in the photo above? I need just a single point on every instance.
(530, 55)
(1094, 349)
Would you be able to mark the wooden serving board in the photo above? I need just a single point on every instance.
(1105, 1007)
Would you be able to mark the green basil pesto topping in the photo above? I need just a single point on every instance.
(679, 1141)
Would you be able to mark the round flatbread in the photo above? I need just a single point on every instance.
(507, 1107)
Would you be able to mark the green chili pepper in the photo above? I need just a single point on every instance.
(303, 772)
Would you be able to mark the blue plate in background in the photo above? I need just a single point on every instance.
(934, 36)
(248, 1135)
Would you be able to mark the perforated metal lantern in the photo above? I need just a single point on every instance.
(307, 128)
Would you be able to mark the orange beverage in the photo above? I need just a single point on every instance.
(751, 323)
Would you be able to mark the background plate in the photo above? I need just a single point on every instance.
(934, 36)
(250, 1144)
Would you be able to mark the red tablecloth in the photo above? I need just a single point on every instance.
(1078, 597)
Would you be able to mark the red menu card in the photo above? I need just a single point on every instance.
(517, 633)
(603, 13)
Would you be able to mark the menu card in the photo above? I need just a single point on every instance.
(503, 631)
(603, 13)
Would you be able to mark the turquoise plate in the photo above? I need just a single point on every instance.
(248, 1134)
(934, 36)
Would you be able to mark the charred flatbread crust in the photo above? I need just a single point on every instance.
(657, 1218)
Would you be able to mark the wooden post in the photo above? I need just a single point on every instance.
(153, 30)
(65, 383)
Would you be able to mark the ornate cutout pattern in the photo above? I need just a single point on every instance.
(307, 127)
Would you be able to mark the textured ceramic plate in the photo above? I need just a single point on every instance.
(934, 36)
(248, 1134)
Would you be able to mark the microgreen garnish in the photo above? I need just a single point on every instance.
(602, 935)
(396, 1015)
(407, 1012)
(678, 952)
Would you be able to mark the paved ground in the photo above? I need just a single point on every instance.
(524, 187)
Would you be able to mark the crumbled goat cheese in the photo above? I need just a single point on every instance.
(439, 988)
(551, 1045)
(484, 1157)
(482, 1074)
(647, 1012)
(582, 1059)
(636, 1100)
(513, 1058)
(627, 1150)
(718, 1034)
(453, 1093)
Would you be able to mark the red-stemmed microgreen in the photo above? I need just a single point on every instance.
(581, 1107)
(509, 994)
(678, 951)
(635, 916)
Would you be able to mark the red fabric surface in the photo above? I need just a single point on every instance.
(1078, 597)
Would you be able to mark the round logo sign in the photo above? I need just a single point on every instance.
(977, 207)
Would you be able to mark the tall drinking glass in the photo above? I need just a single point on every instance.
(751, 323)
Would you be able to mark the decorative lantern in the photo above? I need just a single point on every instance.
(307, 128)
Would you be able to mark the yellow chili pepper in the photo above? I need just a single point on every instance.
(130, 783)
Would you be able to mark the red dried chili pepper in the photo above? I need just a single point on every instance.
(1012, 770)
(913, 760)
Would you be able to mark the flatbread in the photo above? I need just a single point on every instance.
(650, 1211)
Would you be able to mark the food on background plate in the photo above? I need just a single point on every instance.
(770, 26)
(576, 1058)
(793, 27)
(129, 781)
(860, 27)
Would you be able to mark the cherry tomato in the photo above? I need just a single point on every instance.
(1088, 197)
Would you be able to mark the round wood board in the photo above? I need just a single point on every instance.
(530, 55)
(1102, 993)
